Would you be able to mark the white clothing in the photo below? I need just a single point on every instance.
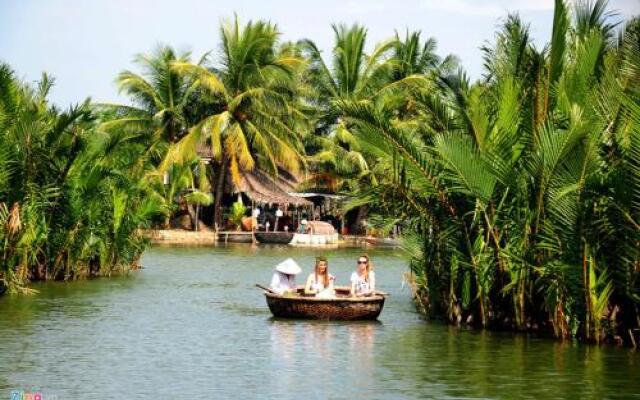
(326, 294)
(281, 282)
(319, 285)
(362, 286)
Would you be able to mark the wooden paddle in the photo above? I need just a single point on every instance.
(265, 288)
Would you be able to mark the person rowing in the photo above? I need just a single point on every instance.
(284, 277)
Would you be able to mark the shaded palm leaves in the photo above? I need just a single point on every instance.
(64, 190)
(351, 75)
(514, 185)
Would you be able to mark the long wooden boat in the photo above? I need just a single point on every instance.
(235, 237)
(274, 237)
(342, 307)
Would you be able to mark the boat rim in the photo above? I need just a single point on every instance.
(364, 299)
(368, 299)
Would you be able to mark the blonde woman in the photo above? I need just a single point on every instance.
(363, 279)
(320, 281)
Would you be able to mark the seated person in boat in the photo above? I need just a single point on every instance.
(363, 279)
(284, 278)
(320, 281)
(302, 228)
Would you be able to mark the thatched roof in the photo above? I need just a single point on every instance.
(261, 187)
(204, 151)
(321, 228)
(264, 188)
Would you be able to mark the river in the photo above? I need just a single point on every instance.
(191, 325)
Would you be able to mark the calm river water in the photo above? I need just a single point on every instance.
(191, 325)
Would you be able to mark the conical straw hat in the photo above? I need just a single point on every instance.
(289, 267)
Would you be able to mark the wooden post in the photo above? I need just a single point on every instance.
(254, 224)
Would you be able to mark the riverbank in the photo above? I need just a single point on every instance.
(502, 323)
(183, 237)
(180, 237)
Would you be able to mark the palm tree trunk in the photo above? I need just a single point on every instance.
(362, 212)
(193, 216)
(222, 174)
(587, 285)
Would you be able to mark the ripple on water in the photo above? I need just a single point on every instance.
(191, 325)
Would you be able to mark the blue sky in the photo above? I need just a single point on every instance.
(84, 44)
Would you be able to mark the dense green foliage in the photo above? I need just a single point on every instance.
(71, 196)
(519, 194)
(256, 119)
(522, 190)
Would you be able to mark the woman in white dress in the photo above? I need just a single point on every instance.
(284, 278)
(320, 281)
(363, 279)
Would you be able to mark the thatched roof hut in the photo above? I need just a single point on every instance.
(261, 187)
(264, 188)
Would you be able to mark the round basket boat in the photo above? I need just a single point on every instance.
(274, 237)
(341, 308)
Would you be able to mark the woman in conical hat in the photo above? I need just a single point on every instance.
(284, 278)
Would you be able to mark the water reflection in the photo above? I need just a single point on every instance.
(282, 335)
(361, 342)
(283, 340)
(361, 354)
(317, 341)
(191, 323)
(488, 364)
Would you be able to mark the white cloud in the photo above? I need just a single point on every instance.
(487, 8)
(361, 7)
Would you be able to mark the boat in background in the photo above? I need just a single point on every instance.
(318, 233)
(274, 237)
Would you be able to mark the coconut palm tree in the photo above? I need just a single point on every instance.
(335, 160)
(165, 105)
(352, 74)
(395, 67)
(257, 121)
(159, 95)
(413, 57)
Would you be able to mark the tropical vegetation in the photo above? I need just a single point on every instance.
(522, 188)
(519, 193)
(72, 197)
